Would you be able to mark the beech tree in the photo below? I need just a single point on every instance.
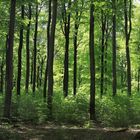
(51, 57)
(35, 48)
(28, 49)
(114, 81)
(20, 52)
(9, 61)
(103, 22)
(47, 48)
(78, 15)
(66, 15)
(128, 28)
(92, 63)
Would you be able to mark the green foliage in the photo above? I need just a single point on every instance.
(29, 108)
(72, 110)
(120, 111)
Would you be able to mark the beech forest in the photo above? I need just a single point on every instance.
(70, 63)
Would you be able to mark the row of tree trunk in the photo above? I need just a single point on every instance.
(51, 27)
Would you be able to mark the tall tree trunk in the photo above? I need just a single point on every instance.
(106, 56)
(66, 59)
(92, 63)
(41, 72)
(128, 28)
(103, 51)
(76, 26)
(20, 52)
(32, 69)
(28, 51)
(35, 48)
(47, 51)
(114, 80)
(9, 61)
(51, 57)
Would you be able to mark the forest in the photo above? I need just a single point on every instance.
(70, 62)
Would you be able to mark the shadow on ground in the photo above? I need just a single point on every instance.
(65, 133)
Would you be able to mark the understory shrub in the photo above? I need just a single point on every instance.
(119, 111)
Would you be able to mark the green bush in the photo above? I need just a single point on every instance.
(71, 109)
(116, 111)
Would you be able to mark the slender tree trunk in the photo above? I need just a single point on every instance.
(123, 75)
(103, 52)
(114, 80)
(92, 63)
(41, 72)
(51, 57)
(75, 54)
(66, 69)
(106, 56)
(20, 52)
(128, 28)
(45, 82)
(47, 51)
(9, 61)
(32, 69)
(35, 49)
(66, 59)
(28, 51)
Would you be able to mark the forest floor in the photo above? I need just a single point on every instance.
(21, 131)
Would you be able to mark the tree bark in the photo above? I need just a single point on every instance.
(106, 56)
(75, 58)
(9, 61)
(35, 49)
(41, 72)
(128, 28)
(51, 57)
(103, 17)
(47, 51)
(66, 19)
(28, 51)
(20, 52)
(92, 63)
(32, 69)
(76, 27)
(114, 79)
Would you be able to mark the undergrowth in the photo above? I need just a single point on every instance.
(119, 111)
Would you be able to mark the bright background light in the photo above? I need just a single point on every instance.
(136, 1)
